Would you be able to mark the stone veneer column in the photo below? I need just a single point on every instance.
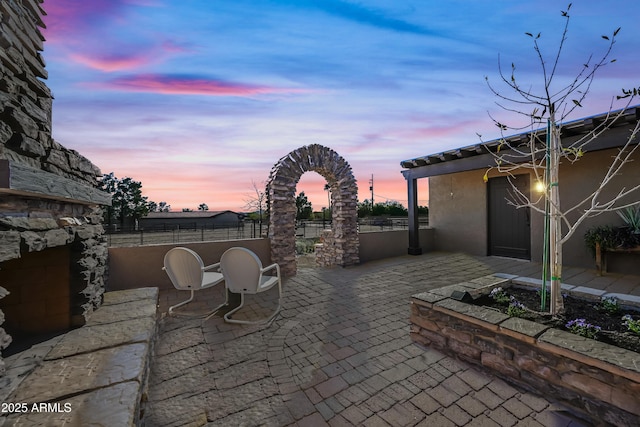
(343, 246)
(49, 194)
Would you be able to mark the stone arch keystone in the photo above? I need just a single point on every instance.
(341, 243)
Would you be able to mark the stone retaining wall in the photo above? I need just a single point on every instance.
(598, 379)
(49, 195)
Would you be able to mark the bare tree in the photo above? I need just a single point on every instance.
(255, 202)
(545, 109)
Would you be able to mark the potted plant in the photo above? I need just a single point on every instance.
(602, 239)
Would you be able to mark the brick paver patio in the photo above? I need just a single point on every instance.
(339, 354)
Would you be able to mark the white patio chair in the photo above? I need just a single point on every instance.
(187, 272)
(243, 274)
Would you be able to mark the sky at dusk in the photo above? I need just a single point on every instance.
(198, 99)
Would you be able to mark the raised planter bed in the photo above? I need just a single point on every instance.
(599, 380)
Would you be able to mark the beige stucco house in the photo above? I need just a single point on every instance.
(473, 216)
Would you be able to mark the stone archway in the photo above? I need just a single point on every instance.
(341, 243)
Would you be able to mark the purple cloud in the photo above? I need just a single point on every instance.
(123, 60)
(66, 18)
(170, 84)
(112, 63)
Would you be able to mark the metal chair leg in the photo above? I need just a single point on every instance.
(215, 310)
(182, 303)
(255, 322)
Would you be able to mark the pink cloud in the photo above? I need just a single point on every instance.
(430, 132)
(111, 63)
(173, 47)
(190, 85)
(65, 18)
(125, 60)
(444, 127)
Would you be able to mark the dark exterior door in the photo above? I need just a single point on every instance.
(509, 228)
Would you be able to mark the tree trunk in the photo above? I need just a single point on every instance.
(555, 224)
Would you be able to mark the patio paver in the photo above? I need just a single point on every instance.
(339, 354)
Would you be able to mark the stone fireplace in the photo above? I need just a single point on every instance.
(38, 285)
(53, 250)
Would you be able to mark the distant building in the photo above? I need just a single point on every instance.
(164, 221)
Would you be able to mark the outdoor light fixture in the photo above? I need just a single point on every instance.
(462, 296)
(540, 187)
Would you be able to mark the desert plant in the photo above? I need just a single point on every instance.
(631, 216)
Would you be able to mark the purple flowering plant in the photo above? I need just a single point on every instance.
(583, 328)
(609, 304)
(516, 308)
(499, 295)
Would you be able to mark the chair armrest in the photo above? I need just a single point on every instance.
(211, 267)
(271, 267)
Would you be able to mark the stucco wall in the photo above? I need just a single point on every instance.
(577, 185)
(141, 266)
(387, 244)
(458, 210)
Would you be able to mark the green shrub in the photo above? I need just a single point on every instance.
(611, 237)
(306, 246)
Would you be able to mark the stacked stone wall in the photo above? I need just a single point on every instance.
(325, 250)
(33, 220)
(342, 244)
(598, 379)
(26, 101)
